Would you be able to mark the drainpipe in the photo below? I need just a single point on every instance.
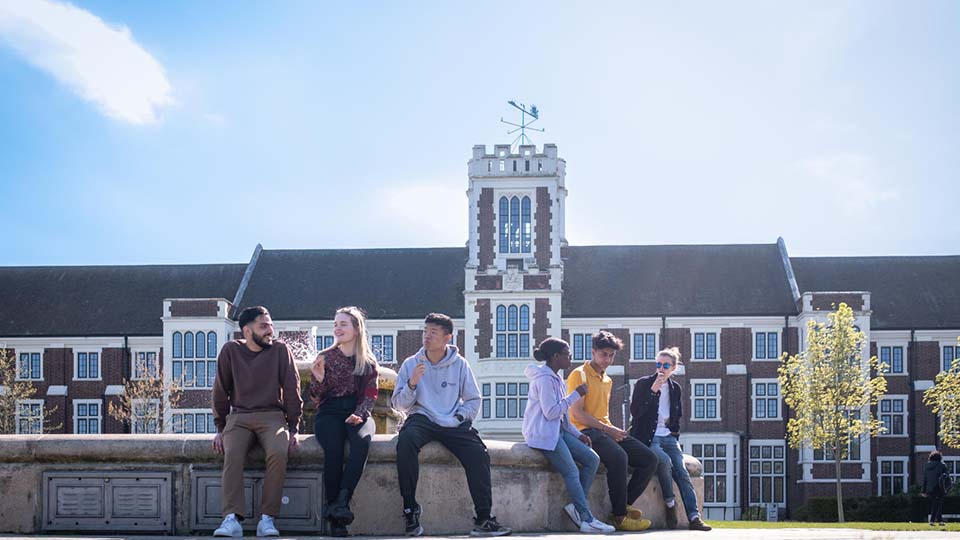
(911, 406)
(126, 352)
(787, 469)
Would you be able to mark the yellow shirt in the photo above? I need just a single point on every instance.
(597, 401)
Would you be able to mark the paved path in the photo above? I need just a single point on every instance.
(716, 534)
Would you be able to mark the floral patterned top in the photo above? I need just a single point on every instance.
(339, 381)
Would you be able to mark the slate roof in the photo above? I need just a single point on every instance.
(387, 283)
(906, 292)
(103, 300)
(695, 280)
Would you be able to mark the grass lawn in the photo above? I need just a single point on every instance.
(879, 526)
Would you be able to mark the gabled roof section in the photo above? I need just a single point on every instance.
(103, 300)
(905, 292)
(387, 283)
(681, 280)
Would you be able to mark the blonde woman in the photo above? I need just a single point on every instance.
(343, 384)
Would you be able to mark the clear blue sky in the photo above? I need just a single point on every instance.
(187, 132)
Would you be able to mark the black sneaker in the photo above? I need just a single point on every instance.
(411, 518)
(489, 527)
(672, 519)
(697, 524)
(338, 530)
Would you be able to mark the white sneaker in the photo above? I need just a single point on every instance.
(596, 527)
(230, 527)
(266, 527)
(572, 513)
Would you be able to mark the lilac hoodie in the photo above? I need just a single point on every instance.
(546, 412)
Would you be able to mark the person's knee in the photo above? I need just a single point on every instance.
(616, 461)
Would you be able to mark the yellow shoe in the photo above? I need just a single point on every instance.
(630, 524)
(634, 513)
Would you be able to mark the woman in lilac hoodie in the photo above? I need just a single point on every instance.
(547, 428)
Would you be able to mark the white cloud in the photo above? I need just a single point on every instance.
(431, 213)
(101, 63)
(851, 182)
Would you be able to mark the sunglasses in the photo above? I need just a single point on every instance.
(664, 365)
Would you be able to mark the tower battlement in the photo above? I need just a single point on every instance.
(525, 162)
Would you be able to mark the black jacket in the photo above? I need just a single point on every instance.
(931, 477)
(644, 405)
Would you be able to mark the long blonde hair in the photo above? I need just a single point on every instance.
(362, 351)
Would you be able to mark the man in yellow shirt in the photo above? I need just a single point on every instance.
(615, 447)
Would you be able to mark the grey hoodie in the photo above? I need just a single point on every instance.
(446, 389)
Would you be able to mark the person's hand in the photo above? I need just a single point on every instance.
(319, 367)
(353, 420)
(659, 382)
(294, 444)
(418, 372)
(922, 494)
(582, 389)
(586, 440)
(615, 433)
(218, 443)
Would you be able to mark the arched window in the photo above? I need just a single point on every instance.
(524, 318)
(501, 318)
(177, 345)
(211, 345)
(504, 225)
(188, 345)
(526, 229)
(201, 345)
(515, 225)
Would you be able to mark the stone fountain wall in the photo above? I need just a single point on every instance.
(170, 484)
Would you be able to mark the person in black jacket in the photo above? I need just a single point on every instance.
(656, 410)
(932, 487)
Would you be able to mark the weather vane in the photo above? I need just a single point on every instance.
(524, 125)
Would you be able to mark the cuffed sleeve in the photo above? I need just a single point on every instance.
(469, 393)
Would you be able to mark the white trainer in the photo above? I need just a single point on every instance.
(266, 527)
(596, 527)
(230, 527)
(572, 513)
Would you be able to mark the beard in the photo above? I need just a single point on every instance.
(264, 341)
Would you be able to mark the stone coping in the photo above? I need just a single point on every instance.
(179, 448)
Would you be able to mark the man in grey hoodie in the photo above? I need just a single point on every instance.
(437, 390)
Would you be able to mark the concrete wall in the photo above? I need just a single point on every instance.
(527, 496)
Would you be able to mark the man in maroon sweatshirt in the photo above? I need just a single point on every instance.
(256, 397)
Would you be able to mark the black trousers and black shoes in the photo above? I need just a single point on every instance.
(464, 443)
(341, 470)
(616, 457)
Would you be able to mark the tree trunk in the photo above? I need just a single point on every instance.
(836, 463)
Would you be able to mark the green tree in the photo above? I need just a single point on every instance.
(943, 398)
(830, 390)
(34, 419)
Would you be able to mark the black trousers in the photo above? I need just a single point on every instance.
(463, 442)
(616, 457)
(331, 432)
(936, 507)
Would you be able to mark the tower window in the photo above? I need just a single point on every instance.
(516, 228)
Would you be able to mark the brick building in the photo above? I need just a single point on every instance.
(77, 332)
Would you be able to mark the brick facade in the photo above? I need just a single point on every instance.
(830, 301)
(540, 282)
(484, 329)
(194, 308)
(486, 229)
(489, 283)
(542, 227)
